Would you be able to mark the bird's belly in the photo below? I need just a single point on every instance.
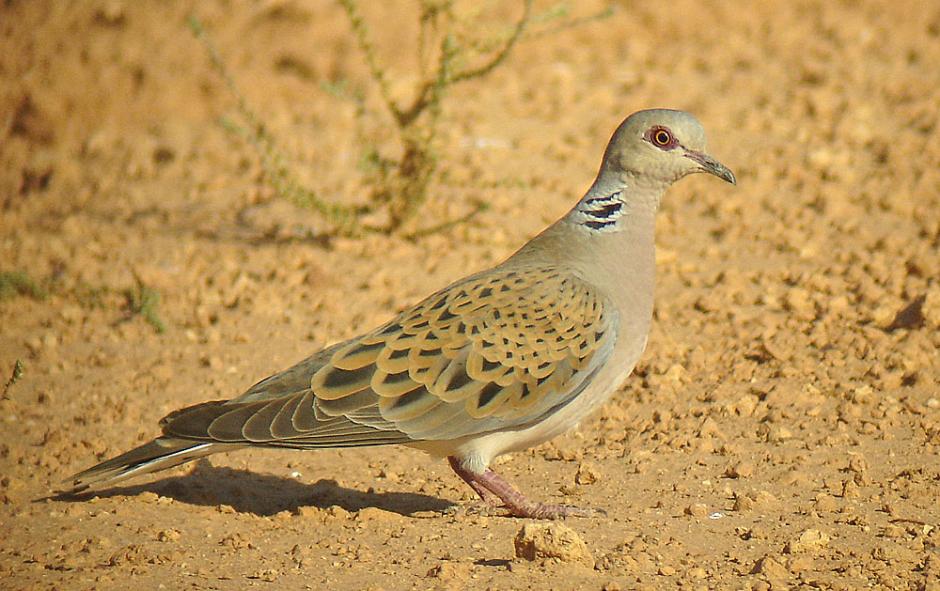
(477, 451)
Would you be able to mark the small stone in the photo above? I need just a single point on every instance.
(268, 575)
(168, 535)
(850, 489)
(743, 503)
(338, 512)
(587, 473)
(740, 470)
(376, 514)
(771, 567)
(148, 497)
(825, 503)
(894, 531)
(753, 500)
(237, 541)
(666, 571)
(450, 571)
(307, 511)
(697, 510)
(810, 541)
(551, 541)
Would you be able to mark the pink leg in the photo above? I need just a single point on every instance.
(467, 476)
(493, 484)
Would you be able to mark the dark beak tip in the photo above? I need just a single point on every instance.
(711, 166)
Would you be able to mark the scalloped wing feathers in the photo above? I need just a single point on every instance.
(496, 350)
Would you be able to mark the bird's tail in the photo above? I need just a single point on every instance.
(159, 454)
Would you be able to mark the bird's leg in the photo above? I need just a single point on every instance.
(468, 477)
(491, 483)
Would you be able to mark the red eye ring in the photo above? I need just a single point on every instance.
(661, 137)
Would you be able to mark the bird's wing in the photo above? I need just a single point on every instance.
(501, 349)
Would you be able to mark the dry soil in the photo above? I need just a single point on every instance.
(781, 431)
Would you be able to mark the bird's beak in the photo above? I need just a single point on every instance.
(710, 165)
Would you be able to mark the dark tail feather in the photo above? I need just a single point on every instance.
(159, 454)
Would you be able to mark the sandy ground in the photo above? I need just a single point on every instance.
(782, 430)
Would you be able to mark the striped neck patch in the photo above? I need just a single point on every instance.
(601, 213)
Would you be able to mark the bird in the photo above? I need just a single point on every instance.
(497, 362)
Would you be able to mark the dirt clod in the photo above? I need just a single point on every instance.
(551, 541)
(810, 541)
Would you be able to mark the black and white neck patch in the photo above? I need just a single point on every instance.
(601, 213)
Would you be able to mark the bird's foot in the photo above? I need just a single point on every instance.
(549, 511)
(477, 508)
(496, 491)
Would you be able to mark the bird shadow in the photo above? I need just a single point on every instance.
(265, 494)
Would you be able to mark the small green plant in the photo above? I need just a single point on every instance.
(450, 51)
(145, 301)
(16, 283)
(18, 370)
(139, 300)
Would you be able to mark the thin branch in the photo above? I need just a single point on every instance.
(360, 30)
(18, 370)
(219, 66)
(430, 92)
(287, 186)
(502, 54)
(606, 12)
(478, 208)
(272, 160)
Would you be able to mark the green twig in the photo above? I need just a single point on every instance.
(14, 283)
(18, 370)
(360, 30)
(478, 208)
(145, 301)
(273, 161)
(571, 23)
(500, 55)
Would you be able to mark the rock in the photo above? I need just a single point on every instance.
(696, 510)
(376, 514)
(850, 490)
(825, 503)
(168, 535)
(810, 541)
(455, 572)
(740, 470)
(771, 567)
(753, 500)
(587, 473)
(743, 503)
(551, 541)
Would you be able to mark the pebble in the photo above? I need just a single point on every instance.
(810, 540)
(551, 541)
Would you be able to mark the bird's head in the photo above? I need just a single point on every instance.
(661, 144)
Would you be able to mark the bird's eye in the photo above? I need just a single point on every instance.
(661, 137)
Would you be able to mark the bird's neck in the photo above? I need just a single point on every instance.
(611, 229)
(615, 204)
